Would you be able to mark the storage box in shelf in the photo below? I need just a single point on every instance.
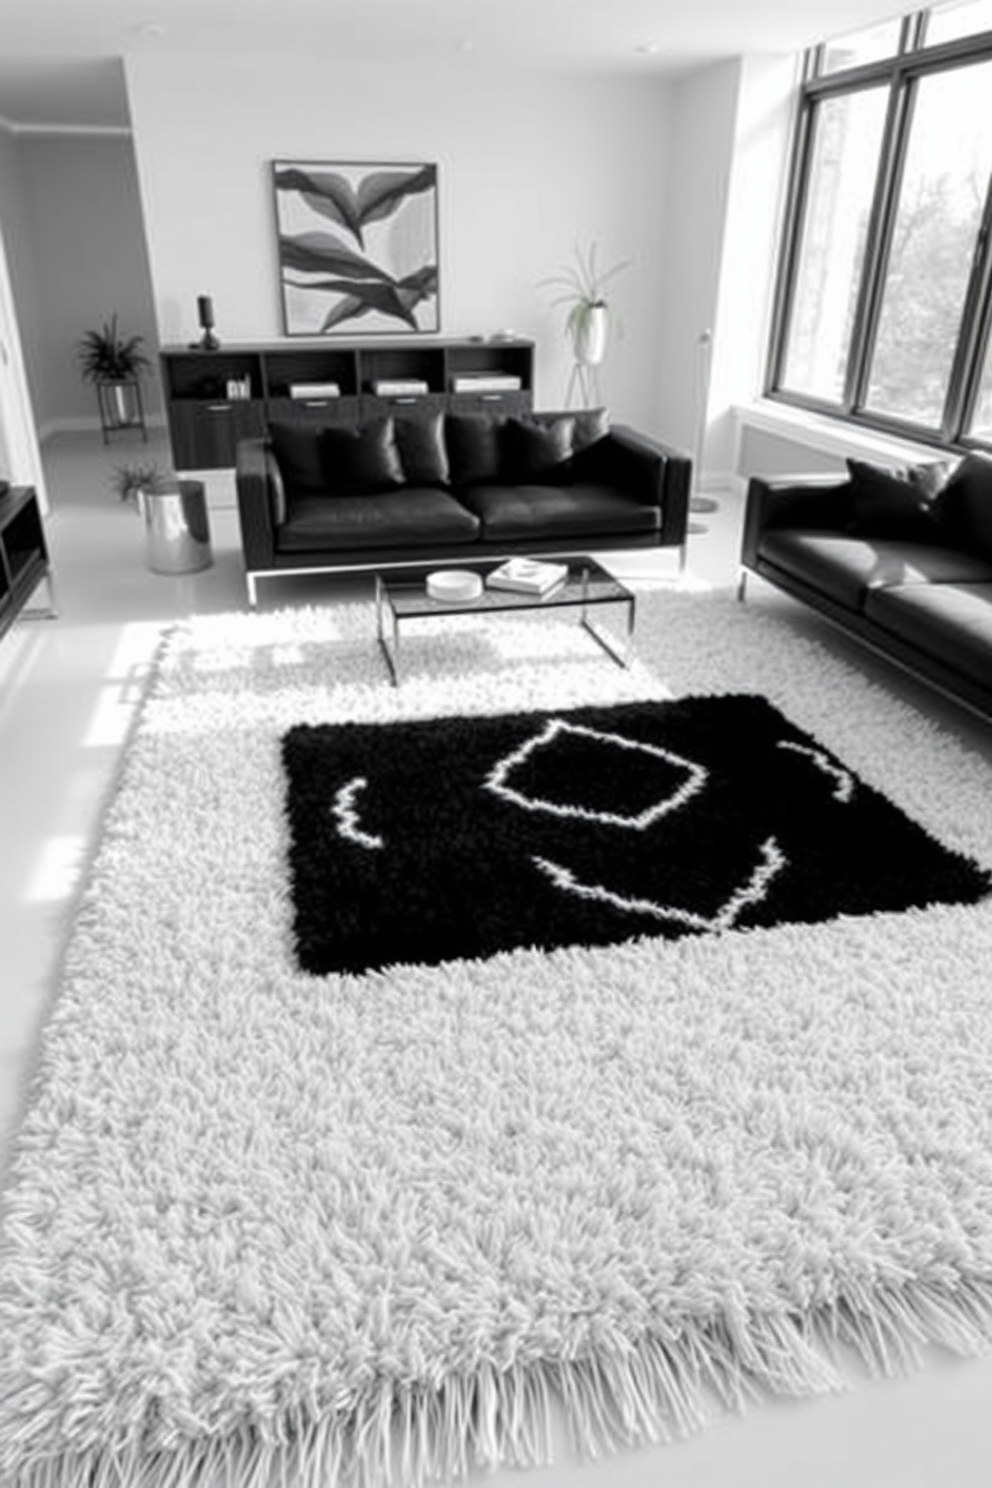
(315, 390)
(399, 387)
(485, 382)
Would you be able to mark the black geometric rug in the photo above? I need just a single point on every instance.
(427, 841)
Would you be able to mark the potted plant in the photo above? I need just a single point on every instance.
(114, 362)
(130, 480)
(174, 513)
(589, 311)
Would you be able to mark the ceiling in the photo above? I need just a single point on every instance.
(60, 60)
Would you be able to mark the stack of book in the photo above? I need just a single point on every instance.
(314, 390)
(485, 382)
(527, 576)
(399, 387)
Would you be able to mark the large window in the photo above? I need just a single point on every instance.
(885, 294)
(833, 233)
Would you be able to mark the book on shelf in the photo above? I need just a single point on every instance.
(527, 576)
(399, 387)
(314, 390)
(485, 382)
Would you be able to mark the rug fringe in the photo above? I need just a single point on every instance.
(406, 1436)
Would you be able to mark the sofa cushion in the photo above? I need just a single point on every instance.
(473, 446)
(823, 506)
(532, 450)
(395, 519)
(297, 448)
(589, 427)
(422, 450)
(516, 513)
(965, 505)
(884, 504)
(952, 622)
(845, 568)
(360, 460)
(591, 424)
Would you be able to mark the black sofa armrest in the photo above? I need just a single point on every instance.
(655, 473)
(261, 501)
(815, 501)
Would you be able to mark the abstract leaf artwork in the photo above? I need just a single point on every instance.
(357, 247)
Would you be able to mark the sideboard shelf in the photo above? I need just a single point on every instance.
(215, 398)
(24, 559)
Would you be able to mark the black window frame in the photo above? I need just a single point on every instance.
(900, 74)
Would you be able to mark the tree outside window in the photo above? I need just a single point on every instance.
(885, 298)
(945, 181)
(847, 132)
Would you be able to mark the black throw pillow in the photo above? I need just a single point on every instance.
(591, 458)
(965, 505)
(297, 448)
(361, 461)
(591, 424)
(887, 505)
(473, 445)
(422, 451)
(536, 451)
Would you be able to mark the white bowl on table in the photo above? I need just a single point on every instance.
(454, 585)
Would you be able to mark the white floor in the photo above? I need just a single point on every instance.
(68, 690)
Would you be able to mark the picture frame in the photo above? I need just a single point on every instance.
(357, 247)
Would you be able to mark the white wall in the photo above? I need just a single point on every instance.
(84, 228)
(20, 459)
(20, 257)
(763, 125)
(528, 164)
(704, 107)
(730, 145)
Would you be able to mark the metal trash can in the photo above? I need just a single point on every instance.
(177, 529)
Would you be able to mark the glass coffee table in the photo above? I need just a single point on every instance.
(401, 596)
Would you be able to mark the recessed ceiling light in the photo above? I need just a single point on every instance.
(646, 48)
(466, 46)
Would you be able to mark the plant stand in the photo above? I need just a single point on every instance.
(701, 505)
(583, 380)
(121, 408)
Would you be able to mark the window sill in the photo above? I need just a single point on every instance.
(833, 437)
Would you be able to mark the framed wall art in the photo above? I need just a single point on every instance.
(357, 246)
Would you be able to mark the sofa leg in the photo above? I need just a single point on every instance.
(742, 585)
(252, 591)
(683, 552)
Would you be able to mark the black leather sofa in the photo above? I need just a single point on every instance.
(446, 488)
(904, 562)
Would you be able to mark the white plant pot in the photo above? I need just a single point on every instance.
(591, 335)
(120, 403)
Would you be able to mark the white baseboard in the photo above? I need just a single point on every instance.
(718, 483)
(86, 424)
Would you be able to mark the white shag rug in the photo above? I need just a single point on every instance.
(265, 1227)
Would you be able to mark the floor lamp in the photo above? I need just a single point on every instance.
(699, 505)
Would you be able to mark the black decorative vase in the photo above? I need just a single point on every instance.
(205, 311)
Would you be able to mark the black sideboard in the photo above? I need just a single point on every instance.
(216, 398)
(24, 559)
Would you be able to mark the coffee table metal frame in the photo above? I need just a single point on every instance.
(400, 597)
